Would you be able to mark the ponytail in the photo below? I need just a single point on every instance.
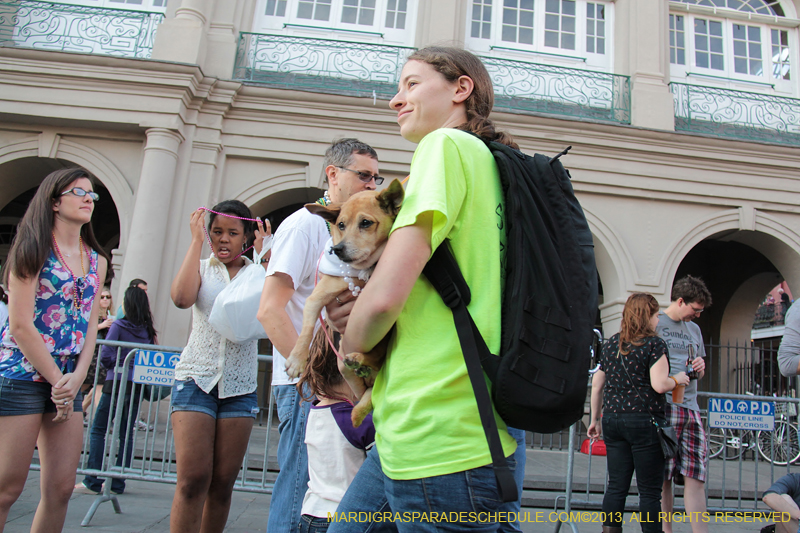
(484, 128)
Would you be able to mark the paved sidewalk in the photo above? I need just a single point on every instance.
(146, 508)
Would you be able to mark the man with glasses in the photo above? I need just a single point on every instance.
(350, 166)
(689, 299)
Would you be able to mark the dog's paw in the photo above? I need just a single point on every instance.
(294, 366)
(353, 362)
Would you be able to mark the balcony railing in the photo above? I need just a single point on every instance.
(531, 87)
(72, 28)
(320, 65)
(736, 114)
(372, 70)
(770, 315)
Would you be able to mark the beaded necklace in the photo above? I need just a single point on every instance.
(77, 292)
(326, 201)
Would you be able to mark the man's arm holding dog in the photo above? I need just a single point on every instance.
(278, 290)
(380, 303)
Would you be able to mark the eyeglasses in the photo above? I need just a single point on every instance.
(80, 193)
(105, 297)
(363, 176)
(696, 310)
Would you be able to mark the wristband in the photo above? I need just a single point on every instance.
(676, 381)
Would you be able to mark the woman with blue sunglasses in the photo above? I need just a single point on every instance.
(54, 271)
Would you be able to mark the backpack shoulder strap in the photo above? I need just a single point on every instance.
(444, 274)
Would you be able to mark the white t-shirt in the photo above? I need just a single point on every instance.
(336, 450)
(296, 249)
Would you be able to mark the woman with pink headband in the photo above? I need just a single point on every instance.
(214, 398)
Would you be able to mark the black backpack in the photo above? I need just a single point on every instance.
(540, 378)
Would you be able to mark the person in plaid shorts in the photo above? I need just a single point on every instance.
(689, 298)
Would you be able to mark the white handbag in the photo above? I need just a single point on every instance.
(233, 314)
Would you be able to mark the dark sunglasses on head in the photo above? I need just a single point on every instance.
(77, 191)
(363, 176)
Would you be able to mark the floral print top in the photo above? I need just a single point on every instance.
(62, 326)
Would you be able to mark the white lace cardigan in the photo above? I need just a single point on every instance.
(209, 358)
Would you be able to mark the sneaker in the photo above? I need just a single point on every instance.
(141, 425)
(80, 488)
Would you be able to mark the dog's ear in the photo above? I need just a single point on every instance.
(328, 212)
(391, 198)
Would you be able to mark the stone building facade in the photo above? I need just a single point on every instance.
(683, 117)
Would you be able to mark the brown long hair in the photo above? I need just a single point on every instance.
(636, 315)
(321, 375)
(34, 240)
(452, 63)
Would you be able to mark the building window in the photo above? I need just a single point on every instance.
(376, 21)
(565, 32)
(276, 8)
(361, 12)
(747, 50)
(482, 19)
(780, 55)
(138, 5)
(708, 44)
(559, 24)
(733, 46)
(677, 40)
(314, 9)
(595, 28)
(763, 7)
(396, 12)
(518, 21)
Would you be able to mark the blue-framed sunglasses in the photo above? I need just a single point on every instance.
(80, 193)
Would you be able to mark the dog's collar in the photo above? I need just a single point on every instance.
(331, 265)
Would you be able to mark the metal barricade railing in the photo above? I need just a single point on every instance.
(151, 448)
(742, 463)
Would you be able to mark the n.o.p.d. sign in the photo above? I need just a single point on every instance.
(155, 368)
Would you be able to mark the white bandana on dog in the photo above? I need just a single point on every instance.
(331, 265)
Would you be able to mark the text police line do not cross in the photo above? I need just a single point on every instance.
(741, 414)
(155, 368)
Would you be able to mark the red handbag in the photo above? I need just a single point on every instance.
(598, 448)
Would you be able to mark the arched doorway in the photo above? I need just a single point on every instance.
(739, 268)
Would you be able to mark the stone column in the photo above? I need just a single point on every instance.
(183, 37)
(442, 21)
(642, 35)
(149, 223)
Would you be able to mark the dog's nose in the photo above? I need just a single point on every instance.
(338, 249)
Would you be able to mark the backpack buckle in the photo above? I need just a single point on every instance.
(450, 295)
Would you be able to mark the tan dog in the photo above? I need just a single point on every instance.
(359, 231)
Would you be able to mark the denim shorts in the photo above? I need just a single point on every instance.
(187, 396)
(20, 397)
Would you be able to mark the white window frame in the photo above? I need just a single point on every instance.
(728, 77)
(538, 52)
(334, 28)
(146, 5)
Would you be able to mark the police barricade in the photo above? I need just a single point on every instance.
(142, 421)
(752, 441)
